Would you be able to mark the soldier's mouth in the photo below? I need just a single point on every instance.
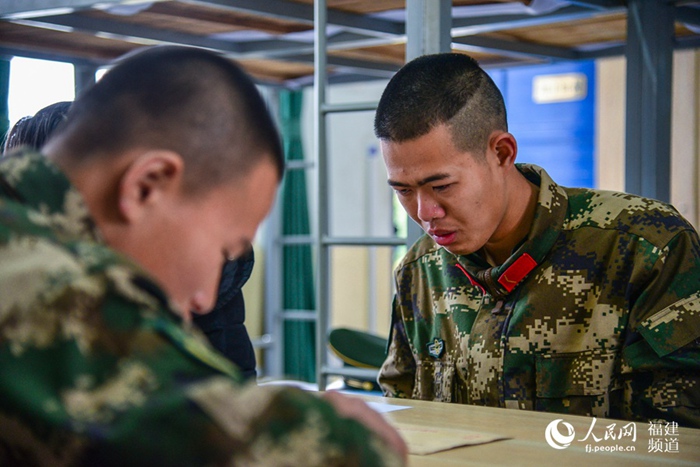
(443, 238)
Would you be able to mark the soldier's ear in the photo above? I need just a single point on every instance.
(504, 145)
(150, 181)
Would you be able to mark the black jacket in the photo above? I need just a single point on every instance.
(224, 325)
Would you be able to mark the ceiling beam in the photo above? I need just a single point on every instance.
(480, 24)
(518, 48)
(127, 30)
(688, 15)
(599, 4)
(8, 51)
(284, 47)
(357, 30)
(367, 67)
(11, 9)
(281, 9)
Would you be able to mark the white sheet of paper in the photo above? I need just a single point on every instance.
(384, 408)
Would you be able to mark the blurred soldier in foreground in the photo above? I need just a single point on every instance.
(224, 325)
(108, 241)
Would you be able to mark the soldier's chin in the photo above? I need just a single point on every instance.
(463, 251)
(456, 250)
(201, 303)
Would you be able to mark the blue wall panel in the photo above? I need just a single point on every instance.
(558, 136)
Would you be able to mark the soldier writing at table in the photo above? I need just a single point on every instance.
(523, 293)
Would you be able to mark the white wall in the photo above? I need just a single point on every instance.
(609, 155)
(685, 128)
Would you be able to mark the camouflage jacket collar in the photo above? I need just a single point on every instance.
(550, 213)
(34, 181)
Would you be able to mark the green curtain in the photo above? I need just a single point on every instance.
(4, 97)
(299, 336)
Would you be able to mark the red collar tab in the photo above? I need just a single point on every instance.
(517, 271)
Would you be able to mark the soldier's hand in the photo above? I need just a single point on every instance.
(352, 407)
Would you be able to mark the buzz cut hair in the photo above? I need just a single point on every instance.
(194, 102)
(447, 88)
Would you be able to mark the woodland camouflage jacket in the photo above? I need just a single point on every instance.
(96, 369)
(596, 313)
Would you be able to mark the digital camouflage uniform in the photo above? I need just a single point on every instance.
(97, 370)
(596, 313)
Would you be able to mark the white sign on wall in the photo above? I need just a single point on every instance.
(565, 87)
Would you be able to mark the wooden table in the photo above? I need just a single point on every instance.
(527, 445)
